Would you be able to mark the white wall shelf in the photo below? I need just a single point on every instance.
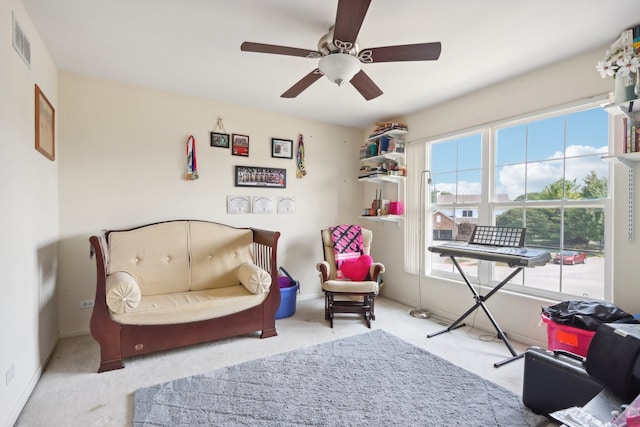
(384, 218)
(394, 133)
(625, 109)
(629, 159)
(381, 179)
(395, 157)
(386, 180)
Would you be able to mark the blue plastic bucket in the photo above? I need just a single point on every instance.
(288, 291)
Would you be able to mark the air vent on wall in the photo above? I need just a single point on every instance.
(21, 43)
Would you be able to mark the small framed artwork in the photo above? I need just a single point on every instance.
(45, 125)
(238, 204)
(220, 140)
(282, 148)
(251, 176)
(240, 145)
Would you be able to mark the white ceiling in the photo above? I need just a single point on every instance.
(193, 47)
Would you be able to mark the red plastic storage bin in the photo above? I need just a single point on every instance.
(568, 338)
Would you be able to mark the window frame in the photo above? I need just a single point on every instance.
(488, 205)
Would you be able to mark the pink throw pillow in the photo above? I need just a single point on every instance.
(357, 269)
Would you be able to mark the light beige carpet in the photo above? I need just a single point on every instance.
(71, 393)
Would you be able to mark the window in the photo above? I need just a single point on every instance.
(545, 173)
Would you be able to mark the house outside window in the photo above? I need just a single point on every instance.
(545, 173)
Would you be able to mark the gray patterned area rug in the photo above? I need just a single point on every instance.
(373, 379)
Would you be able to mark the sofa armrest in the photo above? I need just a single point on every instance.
(254, 278)
(103, 328)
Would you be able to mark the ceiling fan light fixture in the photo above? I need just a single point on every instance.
(339, 67)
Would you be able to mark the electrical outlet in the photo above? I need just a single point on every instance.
(88, 303)
(11, 372)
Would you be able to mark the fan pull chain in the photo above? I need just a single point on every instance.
(300, 158)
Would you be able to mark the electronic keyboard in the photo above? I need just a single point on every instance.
(514, 256)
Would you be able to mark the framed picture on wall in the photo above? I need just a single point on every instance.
(282, 148)
(45, 125)
(252, 176)
(220, 140)
(240, 145)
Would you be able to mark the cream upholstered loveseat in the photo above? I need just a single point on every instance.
(182, 282)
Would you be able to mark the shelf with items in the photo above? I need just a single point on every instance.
(626, 116)
(386, 209)
(394, 157)
(384, 145)
(392, 133)
(387, 168)
(626, 140)
(382, 159)
(389, 128)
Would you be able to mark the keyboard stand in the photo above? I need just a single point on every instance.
(480, 302)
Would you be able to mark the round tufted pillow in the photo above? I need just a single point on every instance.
(255, 279)
(123, 293)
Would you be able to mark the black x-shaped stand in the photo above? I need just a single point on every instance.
(480, 303)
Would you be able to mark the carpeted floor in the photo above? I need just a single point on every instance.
(372, 379)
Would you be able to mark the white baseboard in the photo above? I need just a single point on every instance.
(24, 397)
(309, 296)
(76, 333)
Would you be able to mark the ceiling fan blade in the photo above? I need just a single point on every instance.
(407, 52)
(363, 84)
(304, 83)
(279, 50)
(349, 19)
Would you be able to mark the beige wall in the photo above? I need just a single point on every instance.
(518, 315)
(122, 163)
(29, 213)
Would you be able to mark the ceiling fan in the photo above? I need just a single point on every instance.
(340, 55)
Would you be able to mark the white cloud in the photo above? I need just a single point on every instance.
(541, 174)
(464, 187)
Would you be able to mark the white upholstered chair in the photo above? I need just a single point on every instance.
(344, 295)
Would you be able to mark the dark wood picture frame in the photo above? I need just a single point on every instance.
(282, 148)
(239, 145)
(45, 125)
(253, 176)
(219, 140)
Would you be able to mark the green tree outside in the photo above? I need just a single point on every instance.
(581, 225)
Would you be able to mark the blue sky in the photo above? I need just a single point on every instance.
(540, 144)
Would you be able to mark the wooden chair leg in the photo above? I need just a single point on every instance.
(326, 306)
(364, 305)
(331, 312)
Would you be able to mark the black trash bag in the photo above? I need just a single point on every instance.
(587, 314)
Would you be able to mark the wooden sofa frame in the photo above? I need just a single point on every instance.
(118, 341)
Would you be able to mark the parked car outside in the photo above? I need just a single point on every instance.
(570, 257)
